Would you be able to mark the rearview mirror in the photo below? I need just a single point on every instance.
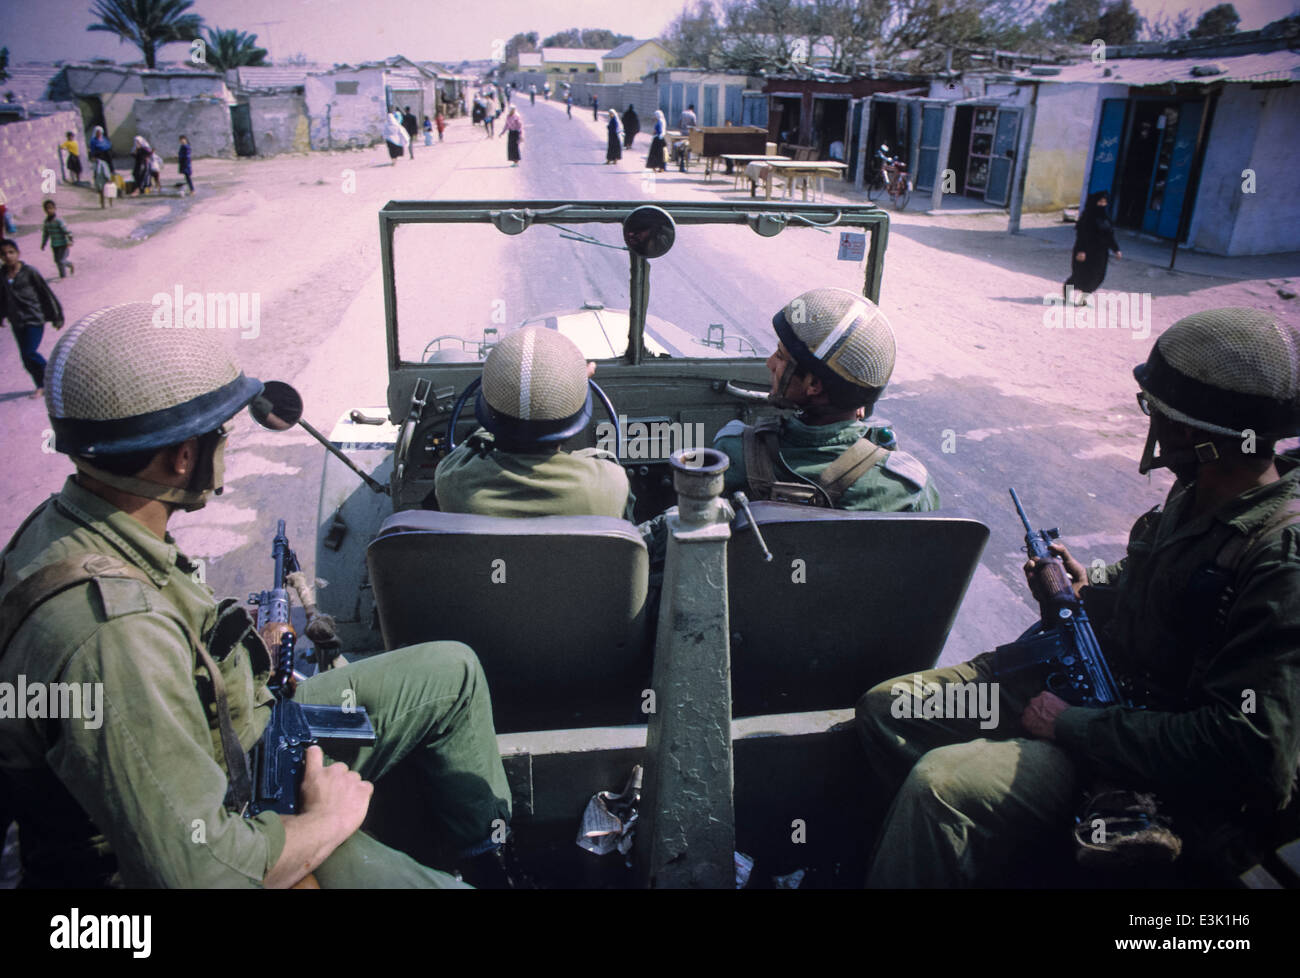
(649, 232)
(278, 407)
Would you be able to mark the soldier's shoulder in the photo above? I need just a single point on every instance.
(735, 428)
(907, 468)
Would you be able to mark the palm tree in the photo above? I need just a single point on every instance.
(232, 49)
(148, 24)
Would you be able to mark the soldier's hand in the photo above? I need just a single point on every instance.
(1080, 256)
(335, 792)
(1077, 573)
(1040, 714)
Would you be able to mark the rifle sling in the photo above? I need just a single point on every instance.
(762, 455)
(53, 579)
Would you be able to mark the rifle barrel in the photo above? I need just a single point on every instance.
(1021, 510)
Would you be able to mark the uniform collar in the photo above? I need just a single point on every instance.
(1243, 513)
(137, 544)
(799, 432)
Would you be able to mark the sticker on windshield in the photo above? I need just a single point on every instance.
(853, 246)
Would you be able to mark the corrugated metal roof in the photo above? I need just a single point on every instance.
(289, 76)
(1268, 66)
(530, 59)
(590, 56)
(626, 48)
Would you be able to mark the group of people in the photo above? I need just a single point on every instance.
(401, 127)
(107, 598)
(146, 172)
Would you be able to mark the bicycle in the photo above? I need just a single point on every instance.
(891, 176)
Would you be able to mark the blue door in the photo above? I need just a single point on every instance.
(1105, 156)
(732, 112)
(709, 110)
(691, 97)
(1003, 159)
(665, 99)
(1173, 167)
(676, 111)
(754, 109)
(931, 134)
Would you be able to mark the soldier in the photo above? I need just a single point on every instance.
(95, 592)
(833, 359)
(534, 395)
(1205, 626)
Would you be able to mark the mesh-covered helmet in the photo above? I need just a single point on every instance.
(843, 339)
(1226, 371)
(116, 383)
(534, 388)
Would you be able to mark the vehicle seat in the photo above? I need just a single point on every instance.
(849, 600)
(554, 606)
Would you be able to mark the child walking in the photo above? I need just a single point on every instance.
(27, 302)
(184, 164)
(56, 234)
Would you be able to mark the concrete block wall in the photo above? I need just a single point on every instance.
(1061, 151)
(280, 124)
(28, 149)
(206, 122)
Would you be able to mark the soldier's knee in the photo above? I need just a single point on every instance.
(946, 775)
(874, 713)
(448, 656)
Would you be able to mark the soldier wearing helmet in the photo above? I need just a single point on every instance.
(834, 357)
(534, 395)
(1203, 624)
(94, 593)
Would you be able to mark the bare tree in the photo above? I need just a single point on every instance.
(693, 36)
(1166, 28)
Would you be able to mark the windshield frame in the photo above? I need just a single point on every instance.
(516, 216)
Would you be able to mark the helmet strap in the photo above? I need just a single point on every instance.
(1201, 453)
(207, 478)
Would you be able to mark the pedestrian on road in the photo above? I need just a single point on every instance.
(6, 219)
(655, 161)
(155, 171)
(28, 303)
(631, 126)
(440, 124)
(568, 105)
(513, 130)
(490, 121)
(184, 164)
(1094, 237)
(683, 149)
(140, 154)
(101, 148)
(532, 94)
(479, 111)
(546, 91)
(614, 150)
(428, 131)
(395, 136)
(73, 154)
(56, 234)
(412, 126)
(595, 108)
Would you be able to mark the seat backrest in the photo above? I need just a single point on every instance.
(849, 599)
(554, 606)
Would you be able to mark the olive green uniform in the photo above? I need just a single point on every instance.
(899, 483)
(142, 792)
(479, 478)
(1220, 745)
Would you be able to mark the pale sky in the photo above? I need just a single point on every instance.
(438, 30)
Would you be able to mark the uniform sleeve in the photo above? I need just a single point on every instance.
(1242, 740)
(730, 442)
(146, 773)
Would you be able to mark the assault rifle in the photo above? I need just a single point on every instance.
(277, 760)
(1063, 641)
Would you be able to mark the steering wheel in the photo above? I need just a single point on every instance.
(478, 381)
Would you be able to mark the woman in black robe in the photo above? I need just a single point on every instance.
(1094, 237)
(614, 147)
(655, 161)
(631, 126)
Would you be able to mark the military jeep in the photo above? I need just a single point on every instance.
(732, 697)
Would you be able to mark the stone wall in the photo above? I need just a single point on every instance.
(280, 124)
(30, 153)
(206, 122)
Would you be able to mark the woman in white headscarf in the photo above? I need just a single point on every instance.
(655, 161)
(614, 148)
(140, 171)
(514, 131)
(396, 136)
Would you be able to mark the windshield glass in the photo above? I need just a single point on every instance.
(713, 294)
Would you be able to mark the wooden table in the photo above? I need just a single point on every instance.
(793, 170)
(744, 159)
